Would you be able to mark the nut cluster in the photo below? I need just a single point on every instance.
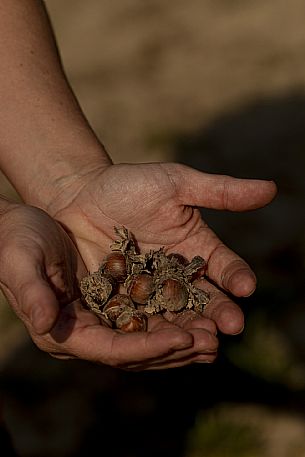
(130, 286)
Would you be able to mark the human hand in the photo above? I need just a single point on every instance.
(159, 204)
(39, 273)
(156, 202)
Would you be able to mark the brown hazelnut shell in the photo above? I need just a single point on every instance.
(173, 294)
(117, 305)
(132, 321)
(115, 265)
(141, 288)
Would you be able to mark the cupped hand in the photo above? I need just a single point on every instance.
(159, 203)
(39, 272)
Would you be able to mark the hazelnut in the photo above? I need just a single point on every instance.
(173, 295)
(141, 288)
(131, 320)
(115, 265)
(117, 305)
(152, 282)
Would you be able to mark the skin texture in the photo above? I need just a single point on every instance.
(39, 275)
(159, 204)
(64, 169)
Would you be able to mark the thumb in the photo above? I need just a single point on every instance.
(30, 295)
(196, 188)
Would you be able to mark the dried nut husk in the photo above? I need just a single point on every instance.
(131, 321)
(196, 269)
(173, 295)
(153, 281)
(115, 265)
(178, 257)
(95, 289)
(141, 287)
(117, 305)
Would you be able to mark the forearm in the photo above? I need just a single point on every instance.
(45, 140)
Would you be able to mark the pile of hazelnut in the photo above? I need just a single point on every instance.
(129, 286)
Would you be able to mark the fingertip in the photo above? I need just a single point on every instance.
(206, 358)
(169, 334)
(230, 320)
(242, 283)
(272, 188)
(202, 323)
(268, 191)
(181, 340)
(39, 304)
(43, 319)
(253, 194)
(205, 342)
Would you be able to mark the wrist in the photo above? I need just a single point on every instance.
(65, 180)
(69, 187)
(56, 165)
(64, 177)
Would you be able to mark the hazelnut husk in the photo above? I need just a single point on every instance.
(95, 290)
(178, 257)
(196, 269)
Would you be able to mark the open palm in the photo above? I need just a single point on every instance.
(159, 204)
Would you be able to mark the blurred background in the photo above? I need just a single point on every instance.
(218, 85)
